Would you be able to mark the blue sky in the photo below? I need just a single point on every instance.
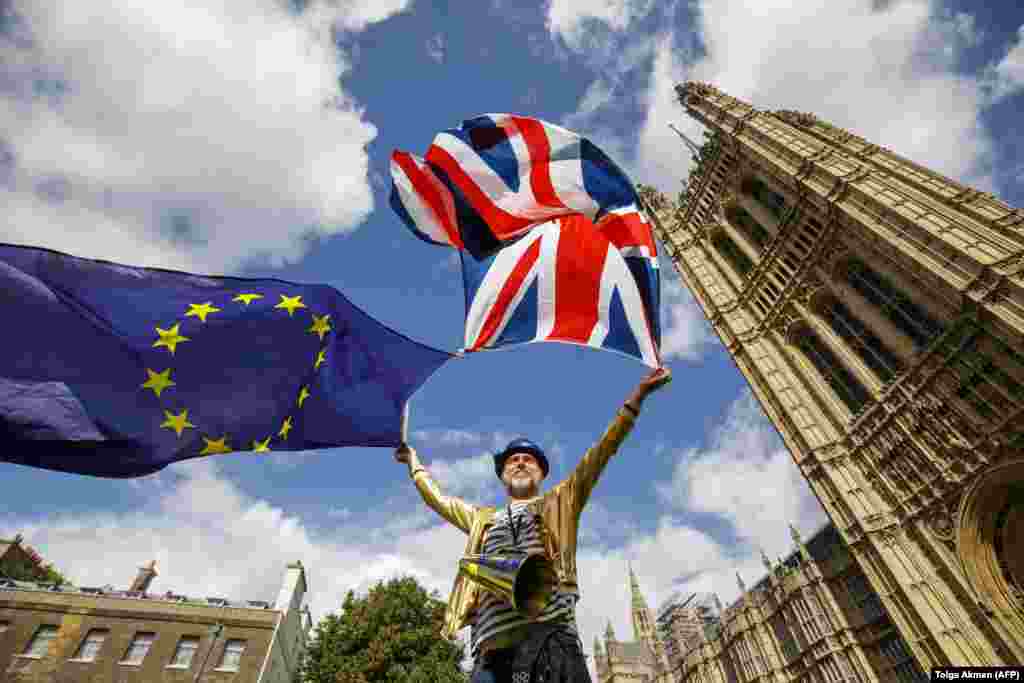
(255, 141)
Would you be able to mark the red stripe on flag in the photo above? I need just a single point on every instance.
(503, 224)
(628, 230)
(580, 261)
(430, 195)
(537, 143)
(508, 292)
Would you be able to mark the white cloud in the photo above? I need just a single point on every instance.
(575, 20)
(449, 437)
(1007, 76)
(746, 476)
(687, 334)
(198, 137)
(888, 74)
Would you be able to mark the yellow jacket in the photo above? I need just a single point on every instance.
(559, 510)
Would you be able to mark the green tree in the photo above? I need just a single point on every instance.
(391, 634)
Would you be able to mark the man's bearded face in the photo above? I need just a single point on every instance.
(522, 475)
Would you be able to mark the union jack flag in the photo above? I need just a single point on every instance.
(553, 243)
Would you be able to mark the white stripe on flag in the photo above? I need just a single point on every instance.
(426, 219)
(491, 285)
(617, 275)
(546, 262)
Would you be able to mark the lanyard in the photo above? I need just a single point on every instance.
(513, 527)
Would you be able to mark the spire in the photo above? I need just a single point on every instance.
(739, 581)
(764, 560)
(694, 147)
(597, 646)
(795, 534)
(609, 632)
(634, 588)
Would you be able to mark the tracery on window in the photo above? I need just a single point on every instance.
(736, 257)
(748, 226)
(879, 359)
(910, 318)
(847, 387)
(766, 196)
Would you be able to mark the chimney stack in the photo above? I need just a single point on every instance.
(146, 574)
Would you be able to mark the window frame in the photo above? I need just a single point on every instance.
(178, 648)
(103, 632)
(124, 661)
(224, 654)
(27, 652)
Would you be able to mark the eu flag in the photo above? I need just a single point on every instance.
(117, 371)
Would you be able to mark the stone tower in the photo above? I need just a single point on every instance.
(643, 622)
(876, 309)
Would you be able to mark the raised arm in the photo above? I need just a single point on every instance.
(583, 479)
(454, 510)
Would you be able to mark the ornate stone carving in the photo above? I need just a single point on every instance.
(797, 118)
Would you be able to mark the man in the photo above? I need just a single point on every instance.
(506, 645)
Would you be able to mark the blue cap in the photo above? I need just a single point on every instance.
(520, 446)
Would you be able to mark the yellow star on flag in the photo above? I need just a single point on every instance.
(261, 446)
(321, 356)
(215, 446)
(285, 428)
(247, 297)
(176, 422)
(303, 395)
(201, 310)
(290, 303)
(321, 325)
(169, 338)
(158, 381)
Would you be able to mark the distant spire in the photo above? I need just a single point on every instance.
(597, 646)
(694, 147)
(609, 632)
(764, 559)
(795, 534)
(634, 588)
(739, 581)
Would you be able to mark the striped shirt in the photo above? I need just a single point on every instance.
(495, 615)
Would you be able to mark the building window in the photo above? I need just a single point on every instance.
(90, 647)
(767, 197)
(910, 318)
(746, 223)
(138, 649)
(233, 650)
(859, 338)
(736, 257)
(39, 646)
(184, 652)
(842, 381)
(904, 668)
(976, 360)
(863, 597)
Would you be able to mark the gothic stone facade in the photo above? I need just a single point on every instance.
(813, 617)
(642, 660)
(877, 310)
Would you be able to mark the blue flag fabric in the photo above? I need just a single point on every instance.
(117, 371)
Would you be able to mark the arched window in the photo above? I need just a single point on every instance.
(739, 217)
(768, 198)
(913, 320)
(842, 381)
(861, 339)
(732, 253)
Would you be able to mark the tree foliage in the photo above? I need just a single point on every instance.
(391, 634)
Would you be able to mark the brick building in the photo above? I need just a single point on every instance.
(72, 634)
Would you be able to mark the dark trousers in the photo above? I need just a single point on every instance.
(547, 655)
